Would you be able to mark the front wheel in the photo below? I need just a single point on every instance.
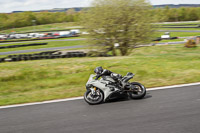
(93, 99)
(138, 91)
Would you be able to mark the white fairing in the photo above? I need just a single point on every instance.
(101, 84)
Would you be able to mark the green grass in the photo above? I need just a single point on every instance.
(183, 29)
(47, 27)
(71, 49)
(66, 25)
(31, 81)
(179, 24)
(173, 40)
(49, 45)
(178, 34)
(84, 42)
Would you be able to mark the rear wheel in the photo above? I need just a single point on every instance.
(93, 99)
(138, 91)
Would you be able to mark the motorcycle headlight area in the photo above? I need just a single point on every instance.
(89, 86)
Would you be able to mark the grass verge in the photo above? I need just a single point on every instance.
(46, 27)
(180, 29)
(33, 81)
(49, 45)
(178, 34)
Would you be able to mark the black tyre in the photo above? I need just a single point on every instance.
(14, 59)
(93, 99)
(138, 91)
(63, 56)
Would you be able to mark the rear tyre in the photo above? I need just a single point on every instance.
(93, 99)
(138, 91)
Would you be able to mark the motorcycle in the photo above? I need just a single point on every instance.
(107, 89)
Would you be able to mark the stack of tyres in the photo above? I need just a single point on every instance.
(43, 55)
(69, 55)
(2, 60)
(58, 56)
(75, 54)
(47, 57)
(36, 57)
(72, 54)
(14, 59)
(32, 58)
(25, 58)
(65, 56)
(23, 45)
(82, 54)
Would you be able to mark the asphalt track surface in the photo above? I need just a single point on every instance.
(58, 40)
(71, 47)
(175, 110)
(41, 49)
(179, 42)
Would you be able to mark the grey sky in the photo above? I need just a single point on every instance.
(28, 5)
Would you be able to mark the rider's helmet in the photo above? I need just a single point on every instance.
(98, 70)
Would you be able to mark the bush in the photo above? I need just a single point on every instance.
(190, 43)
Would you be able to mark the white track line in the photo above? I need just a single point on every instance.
(173, 86)
(38, 103)
(78, 98)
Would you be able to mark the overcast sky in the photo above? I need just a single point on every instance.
(29, 5)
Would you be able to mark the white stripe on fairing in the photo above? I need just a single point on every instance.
(78, 98)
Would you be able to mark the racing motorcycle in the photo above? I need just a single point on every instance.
(108, 88)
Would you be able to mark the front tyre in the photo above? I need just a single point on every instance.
(93, 99)
(138, 91)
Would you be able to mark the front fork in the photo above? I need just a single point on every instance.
(93, 91)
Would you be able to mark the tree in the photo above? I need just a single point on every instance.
(172, 15)
(125, 22)
(182, 13)
(192, 14)
(159, 14)
(70, 11)
(3, 19)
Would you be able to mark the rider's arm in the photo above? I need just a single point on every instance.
(105, 72)
(97, 76)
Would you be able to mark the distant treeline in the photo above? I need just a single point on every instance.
(177, 14)
(16, 20)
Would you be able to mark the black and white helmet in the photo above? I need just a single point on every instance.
(98, 70)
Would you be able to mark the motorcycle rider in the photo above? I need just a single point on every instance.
(103, 72)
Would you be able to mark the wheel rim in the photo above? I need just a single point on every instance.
(94, 98)
(138, 90)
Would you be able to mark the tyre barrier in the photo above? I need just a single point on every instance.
(42, 55)
(2, 59)
(6, 41)
(160, 39)
(23, 45)
(157, 39)
(14, 59)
